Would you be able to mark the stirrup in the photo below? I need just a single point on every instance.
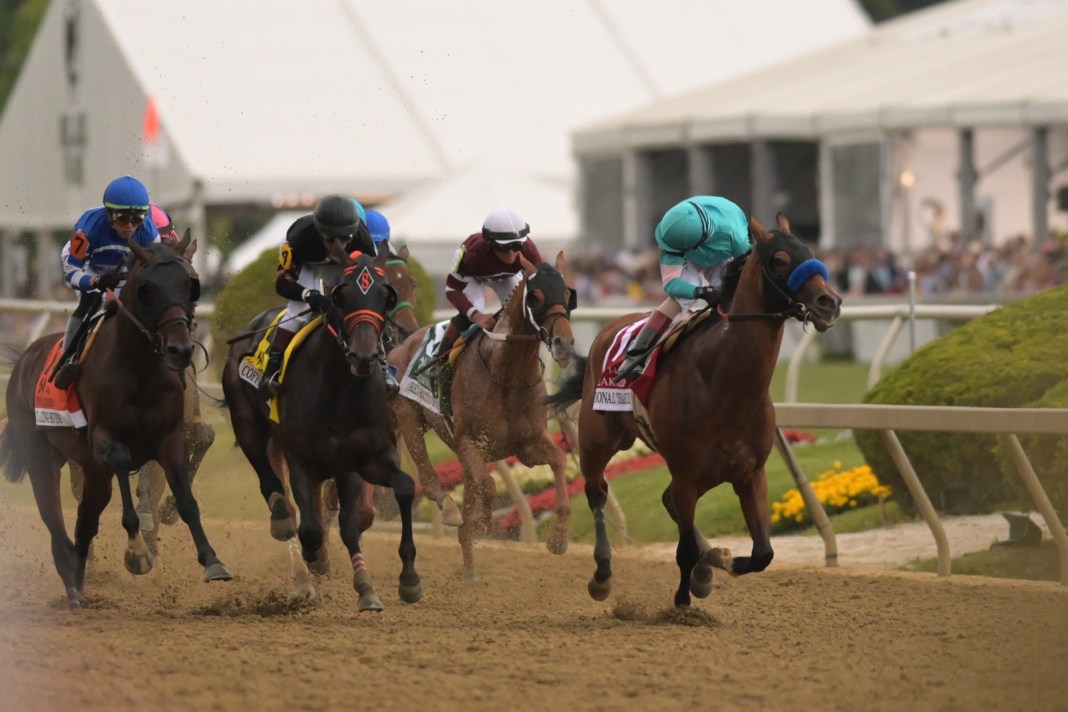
(66, 375)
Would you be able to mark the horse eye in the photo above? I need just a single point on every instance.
(780, 264)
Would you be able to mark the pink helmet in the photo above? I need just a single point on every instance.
(163, 223)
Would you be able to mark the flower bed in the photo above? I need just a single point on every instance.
(837, 490)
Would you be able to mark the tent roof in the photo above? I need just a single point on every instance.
(966, 63)
(260, 99)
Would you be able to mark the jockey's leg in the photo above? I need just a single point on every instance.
(392, 387)
(658, 322)
(457, 325)
(66, 370)
(279, 341)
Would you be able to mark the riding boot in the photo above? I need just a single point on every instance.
(279, 342)
(66, 370)
(441, 356)
(642, 346)
(392, 387)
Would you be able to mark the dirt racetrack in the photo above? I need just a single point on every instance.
(524, 636)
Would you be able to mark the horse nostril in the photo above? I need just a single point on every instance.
(828, 302)
(182, 352)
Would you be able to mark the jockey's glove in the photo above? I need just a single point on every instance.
(315, 299)
(107, 281)
(709, 294)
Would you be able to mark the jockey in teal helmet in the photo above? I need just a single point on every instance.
(697, 237)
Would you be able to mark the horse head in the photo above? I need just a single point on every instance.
(547, 303)
(401, 317)
(160, 296)
(363, 298)
(795, 283)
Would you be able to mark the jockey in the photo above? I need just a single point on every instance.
(316, 246)
(697, 238)
(159, 217)
(94, 259)
(379, 228)
(486, 259)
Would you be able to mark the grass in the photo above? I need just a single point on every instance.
(1033, 563)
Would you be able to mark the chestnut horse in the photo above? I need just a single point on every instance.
(496, 391)
(334, 422)
(709, 409)
(131, 390)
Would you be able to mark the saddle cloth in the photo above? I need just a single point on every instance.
(254, 364)
(53, 407)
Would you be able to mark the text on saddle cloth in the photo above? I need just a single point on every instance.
(418, 383)
(53, 407)
(252, 366)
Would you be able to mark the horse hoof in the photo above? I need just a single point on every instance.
(556, 545)
(217, 572)
(410, 594)
(599, 590)
(701, 581)
(168, 511)
(138, 564)
(304, 590)
(450, 513)
(319, 568)
(370, 602)
(720, 559)
(283, 529)
(74, 601)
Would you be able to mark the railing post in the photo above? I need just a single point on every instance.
(812, 502)
(919, 496)
(1045, 507)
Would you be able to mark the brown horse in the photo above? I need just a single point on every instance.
(334, 422)
(496, 391)
(131, 390)
(709, 409)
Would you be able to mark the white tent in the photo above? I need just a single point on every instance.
(263, 101)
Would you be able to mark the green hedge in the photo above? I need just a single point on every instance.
(1013, 357)
(252, 290)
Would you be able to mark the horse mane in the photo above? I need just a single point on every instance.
(732, 273)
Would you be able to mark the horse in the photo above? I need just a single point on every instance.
(709, 409)
(496, 391)
(333, 422)
(131, 390)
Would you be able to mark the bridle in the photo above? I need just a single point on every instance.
(153, 335)
(784, 290)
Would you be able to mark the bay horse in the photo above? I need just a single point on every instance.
(709, 409)
(333, 422)
(131, 390)
(496, 390)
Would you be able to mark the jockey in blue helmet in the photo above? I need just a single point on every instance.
(379, 227)
(94, 259)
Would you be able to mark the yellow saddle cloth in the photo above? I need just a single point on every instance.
(254, 364)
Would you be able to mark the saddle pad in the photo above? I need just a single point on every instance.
(613, 395)
(252, 366)
(55, 408)
(418, 383)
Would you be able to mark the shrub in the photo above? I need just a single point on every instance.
(1013, 357)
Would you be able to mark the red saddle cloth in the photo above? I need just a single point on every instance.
(53, 407)
(640, 384)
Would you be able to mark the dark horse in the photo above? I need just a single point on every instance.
(334, 422)
(131, 390)
(709, 409)
(497, 387)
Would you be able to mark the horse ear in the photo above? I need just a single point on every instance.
(139, 252)
(757, 233)
(403, 253)
(527, 265)
(192, 249)
(782, 222)
(561, 263)
(183, 244)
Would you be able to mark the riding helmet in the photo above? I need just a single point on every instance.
(378, 225)
(126, 193)
(504, 226)
(361, 211)
(336, 216)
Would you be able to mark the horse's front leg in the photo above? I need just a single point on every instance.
(151, 483)
(96, 494)
(348, 490)
(596, 448)
(542, 452)
(410, 430)
(707, 557)
(173, 459)
(116, 455)
(684, 503)
(753, 496)
(479, 492)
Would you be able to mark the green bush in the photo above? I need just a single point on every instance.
(1013, 357)
(252, 290)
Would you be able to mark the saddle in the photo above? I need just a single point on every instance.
(73, 354)
(253, 364)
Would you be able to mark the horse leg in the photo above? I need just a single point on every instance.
(283, 512)
(200, 436)
(476, 493)
(753, 496)
(174, 464)
(151, 482)
(684, 502)
(45, 481)
(254, 437)
(546, 451)
(596, 447)
(95, 496)
(138, 559)
(321, 565)
(349, 486)
(410, 429)
(707, 557)
(365, 505)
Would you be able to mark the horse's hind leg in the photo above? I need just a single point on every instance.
(45, 481)
(151, 482)
(138, 558)
(707, 557)
(753, 496)
(349, 487)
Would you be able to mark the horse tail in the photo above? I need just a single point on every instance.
(10, 461)
(570, 390)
